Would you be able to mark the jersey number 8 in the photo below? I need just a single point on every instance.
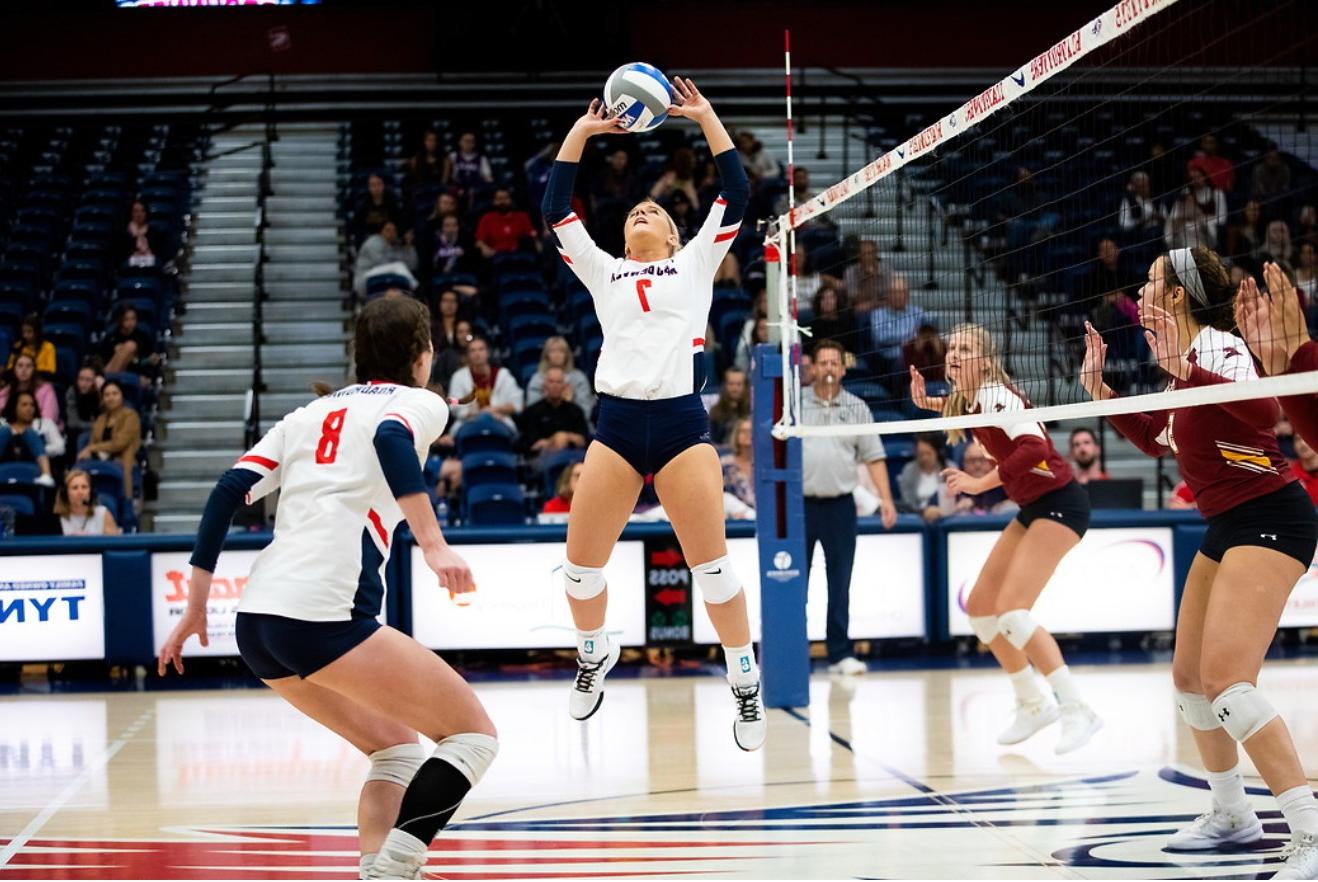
(328, 449)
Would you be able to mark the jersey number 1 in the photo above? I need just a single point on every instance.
(641, 285)
(328, 449)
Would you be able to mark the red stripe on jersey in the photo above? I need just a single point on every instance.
(381, 383)
(379, 527)
(402, 419)
(566, 259)
(723, 237)
(720, 201)
(261, 461)
(699, 341)
(567, 220)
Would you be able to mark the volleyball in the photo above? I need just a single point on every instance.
(639, 94)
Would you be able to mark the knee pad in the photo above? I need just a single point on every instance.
(397, 764)
(1017, 626)
(470, 753)
(1197, 711)
(718, 583)
(985, 628)
(1242, 711)
(583, 583)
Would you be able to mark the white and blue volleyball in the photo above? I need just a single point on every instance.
(640, 95)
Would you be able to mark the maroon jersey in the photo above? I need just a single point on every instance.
(1227, 453)
(1302, 410)
(1028, 463)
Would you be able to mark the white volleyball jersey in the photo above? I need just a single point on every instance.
(653, 315)
(336, 514)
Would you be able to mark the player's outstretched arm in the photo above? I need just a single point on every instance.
(696, 107)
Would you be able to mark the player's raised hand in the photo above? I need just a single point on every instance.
(920, 396)
(1254, 315)
(1164, 337)
(1287, 322)
(452, 570)
(1091, 369)
(596, 121)
(689, 102)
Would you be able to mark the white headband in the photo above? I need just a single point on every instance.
(1188, 272)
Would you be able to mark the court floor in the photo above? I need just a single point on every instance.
(894, 774)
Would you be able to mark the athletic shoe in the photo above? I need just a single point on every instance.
(750, 727)
(850, 666)
(1030, 718)
(1216, 828)
(44, 481)
(1301, 858)
(401, 856)
(1079, 723)
(588, 687)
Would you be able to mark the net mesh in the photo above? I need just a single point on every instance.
(1046, 201)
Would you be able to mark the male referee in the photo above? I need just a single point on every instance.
(829, 475)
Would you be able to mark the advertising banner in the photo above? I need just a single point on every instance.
(52, 608)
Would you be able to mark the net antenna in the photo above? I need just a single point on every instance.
(1128, 71)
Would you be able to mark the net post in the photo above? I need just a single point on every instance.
(780, 531)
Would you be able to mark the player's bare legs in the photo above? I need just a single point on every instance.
(604, 499)
(690, 487)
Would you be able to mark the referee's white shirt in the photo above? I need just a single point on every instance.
(829, 462)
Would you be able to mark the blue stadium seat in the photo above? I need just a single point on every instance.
(72, 335)
(483, 434)
(489, 468)
(65, 311)
(107, 477)
(67, 361)
(532, 324)
(19, 472)
(527, 350)
(552, 465)
(21, 505)
(495, 505)
(523, 301)
(519, 280)
(513, 260)
(17, 291)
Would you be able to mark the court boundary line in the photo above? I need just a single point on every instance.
(16, 844)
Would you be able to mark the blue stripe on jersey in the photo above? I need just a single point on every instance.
(736, 187)
(393, 447)
(370, 589)
(557, 203)
(229, 493)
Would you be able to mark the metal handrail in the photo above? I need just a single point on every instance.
(252, 429)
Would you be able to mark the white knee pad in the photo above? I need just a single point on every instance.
(1242, 710)
(985, 628)
(1017, 626)
(1197, 711)
(718, 583)
(583, 583)
(397, 764)
(470, 753)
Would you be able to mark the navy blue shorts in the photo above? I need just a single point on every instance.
(1283, 520)
(275, 647)
(649, 434)
(1068, 505)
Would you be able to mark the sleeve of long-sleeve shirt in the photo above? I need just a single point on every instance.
(1260, 413)
(711, 243)
(1302, 410)
(266, 461)
(587, 260)
(1143, 430)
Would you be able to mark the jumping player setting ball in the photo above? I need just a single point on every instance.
(653, 305)
(1053, 518)
(348, 468)
(1262, 531)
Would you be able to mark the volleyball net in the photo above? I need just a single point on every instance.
(1047, 200)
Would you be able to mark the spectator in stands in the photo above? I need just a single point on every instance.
(449, 253)
(1166, 172)
(680, 175)
(128, 348)
(1245, 237)
(450, 334)
(79, 514)
(1085, 456)
(809, 274)
(1024, 210)
(563, 493)
(1140, 215)
(82, 400)
(384, 252)
(746, 347)
(1219, 170)
(503, 228)
(1270, 181)
(894, 325)
(488, 388)
(558, 354)
(141, 239)
(926, 353)
(1116, 317)
(24, 436)
(23, 377)
(537, 170)
(426, 165)
(739, 463)
(466, 168)
(1305, 468)
(1109, 274)
(867, 280)
(616, 184)
(32, 342)
(555, 422)
(1277, 245)
(1307, 224)
(801, 185)
(921, 487)
(1211, 200)
(1188, 226)
(757, 161)
(1306, 272)
(733, 405)
(832, 317)
(378, 208)
(116, 433)
(807, 369)
(976, 463)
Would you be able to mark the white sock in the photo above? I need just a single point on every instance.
(592, 645)
(1300, 809)
(1064, 686)
(1228, 790)
(1026, 686)
(400, 845)
(365, 864)
(742, 668)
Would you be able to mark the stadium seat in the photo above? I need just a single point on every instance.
(495, 505)
(72, 335)
(490, 467)
(552, 465)
(21, 505)
(482, 435)
(534, 324)
(107, 477)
